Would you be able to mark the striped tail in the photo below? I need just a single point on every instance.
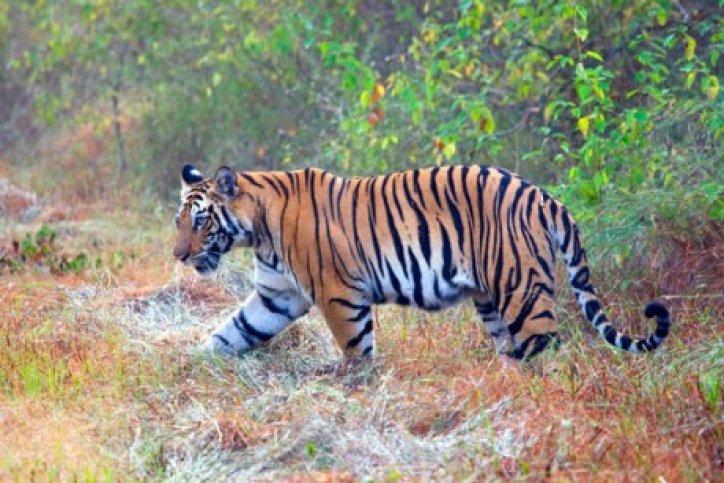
(567, 235)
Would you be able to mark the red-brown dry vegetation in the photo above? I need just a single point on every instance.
(99, 365)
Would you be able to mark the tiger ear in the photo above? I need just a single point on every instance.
(191, 175)
(226, 182)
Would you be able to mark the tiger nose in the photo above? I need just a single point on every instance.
(180, 254)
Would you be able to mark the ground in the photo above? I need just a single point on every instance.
(100, 379)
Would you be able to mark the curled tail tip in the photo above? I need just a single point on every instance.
(663, 321)
(656, 309)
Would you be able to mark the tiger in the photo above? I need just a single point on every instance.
(426, 238)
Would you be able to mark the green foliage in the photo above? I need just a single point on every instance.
(593, 98)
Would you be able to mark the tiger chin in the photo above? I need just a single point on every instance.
(427, 238)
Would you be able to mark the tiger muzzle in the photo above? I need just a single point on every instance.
(181, 253)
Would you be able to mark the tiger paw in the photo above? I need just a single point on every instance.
(216, 345)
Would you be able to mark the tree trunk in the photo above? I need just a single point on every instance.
(122, 160)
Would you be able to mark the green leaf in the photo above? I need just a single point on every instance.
(637, 177)
(661, 16)
(709, 386)
(581, 33)
(690, 78)
(483, 117)
(690, 47)
(716, 212)
(582, 12)
(449, 150)
(594, 55)
(710, 86)
(583, 125)
(712, 190)
(581, 72)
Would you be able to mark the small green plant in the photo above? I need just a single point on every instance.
(710, 389)
(41, 250)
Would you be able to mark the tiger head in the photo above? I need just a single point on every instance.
(207, 221)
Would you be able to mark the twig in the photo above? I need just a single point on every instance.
(684, 14)
(122, 159)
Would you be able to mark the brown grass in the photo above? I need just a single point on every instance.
(99, 379)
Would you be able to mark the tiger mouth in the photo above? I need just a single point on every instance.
(206, 263)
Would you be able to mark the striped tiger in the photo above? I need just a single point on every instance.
(426, 238)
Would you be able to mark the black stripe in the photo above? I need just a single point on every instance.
(272, 307)
(457, 221)
(251, 180)
(416, 280)
(271, 183)
(354, 342)
(554, 210)
(399, 250)
(270, 290)
(396, 198)
(451, 183)
(485, 307)
(566, 231)
(223, 339)
(423, 230)
(244, 327)
(233, 230)
(361, 314)
(498, 246)
(330, 196)
(315, 214)
(546, 314)
(531, 203)
(626, 343)
(591, 308)
(525, 310)
(345, 303)
(401, 299)
(342, 189)
(372, 222)
(580, 280)
(416, 184)
(609, 333)
(447, 268)
(433, 185)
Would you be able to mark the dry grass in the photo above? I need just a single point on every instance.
(100, 379)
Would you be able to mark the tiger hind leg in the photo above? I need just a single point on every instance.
(532, 323)
(493, 322)
(350, 320)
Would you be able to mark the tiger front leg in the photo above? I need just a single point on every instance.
(264, 314)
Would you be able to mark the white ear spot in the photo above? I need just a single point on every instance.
(191, 175)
